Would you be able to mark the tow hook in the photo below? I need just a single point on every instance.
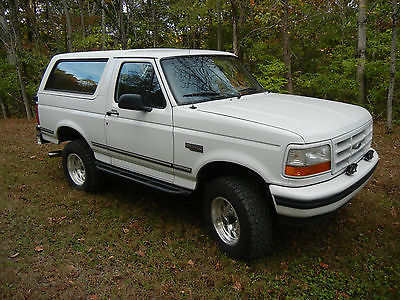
(369, 155)
(351, 169)
(56, 153)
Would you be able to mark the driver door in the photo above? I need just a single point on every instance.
(140, 141)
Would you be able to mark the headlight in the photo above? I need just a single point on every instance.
(304, 162)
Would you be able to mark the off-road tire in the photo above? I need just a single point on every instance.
(256, 230)
(80, 151)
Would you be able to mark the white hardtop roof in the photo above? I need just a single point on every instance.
(142, 53)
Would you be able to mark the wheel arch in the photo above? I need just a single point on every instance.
(66, 133)
(69, 131)
(215, 169)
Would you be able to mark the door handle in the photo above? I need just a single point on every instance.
(112, 112)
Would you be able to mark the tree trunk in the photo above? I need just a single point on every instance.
(234, 27)
(121, 24)
(392, 69)
(361, 50)
(80, 2)
(151, 6)
(69, 25)
(3, 108)
(15, 49)
(103, 26)
(219, 26)
(13, 5)
(52, 28)
(23, 89)
(286, 47)
(29, 7)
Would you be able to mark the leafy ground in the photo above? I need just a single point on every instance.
(131, 241)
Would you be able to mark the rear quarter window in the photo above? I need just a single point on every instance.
(76, 76)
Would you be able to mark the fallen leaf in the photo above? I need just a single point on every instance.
(345, 295)
(237, 286)
(14, 255)
(93, 297)
(39, 248)
(351, 220)
(190, 262)
(218, 266)
(70, 268)
(125, 230)
(140, 253)
(393, 212)
(285, 265)
(322, 265)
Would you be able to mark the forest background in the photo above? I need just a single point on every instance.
(342, 50)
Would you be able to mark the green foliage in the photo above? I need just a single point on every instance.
(335, 80)
(272, 75)
(323, 38)
(9, 88)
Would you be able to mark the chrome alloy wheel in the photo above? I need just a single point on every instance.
(225, 221)
(76, 169)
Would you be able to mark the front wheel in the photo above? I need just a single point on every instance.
(79, 166)
(237, 217)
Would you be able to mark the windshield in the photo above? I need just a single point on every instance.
(194, 79)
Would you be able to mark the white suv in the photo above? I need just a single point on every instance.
(186, 120)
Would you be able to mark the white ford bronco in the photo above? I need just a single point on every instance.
(187, 120)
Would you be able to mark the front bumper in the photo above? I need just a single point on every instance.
(322, 198)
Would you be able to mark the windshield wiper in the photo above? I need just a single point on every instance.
(250, 89)
(222, 96)
(210, 93)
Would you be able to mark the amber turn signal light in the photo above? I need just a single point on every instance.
(309, 170)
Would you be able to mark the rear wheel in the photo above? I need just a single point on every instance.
(237, 217)
(79, 166)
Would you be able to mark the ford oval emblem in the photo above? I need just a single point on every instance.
(356, 146)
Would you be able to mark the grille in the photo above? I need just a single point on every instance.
(351, 147)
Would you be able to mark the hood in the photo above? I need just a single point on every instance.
(313, 119)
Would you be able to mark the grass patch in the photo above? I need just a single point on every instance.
(131, 241)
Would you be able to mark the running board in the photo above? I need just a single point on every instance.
(143, 179)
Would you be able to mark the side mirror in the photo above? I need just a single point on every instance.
(133, 102)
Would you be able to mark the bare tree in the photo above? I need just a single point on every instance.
(361, 50)
(392, 67)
